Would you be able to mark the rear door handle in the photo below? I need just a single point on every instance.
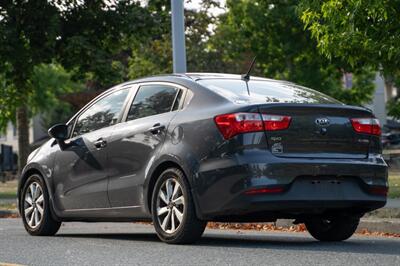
(100, 143)
(156, 129)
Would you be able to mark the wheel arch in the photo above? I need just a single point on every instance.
(161, 167)
(28, 171)
(154, 176)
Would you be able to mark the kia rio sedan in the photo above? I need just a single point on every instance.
(181, 150)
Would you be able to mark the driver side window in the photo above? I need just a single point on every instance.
(103, 113)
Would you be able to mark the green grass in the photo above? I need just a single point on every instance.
(394, 185)
(8, 206)
(8, 190)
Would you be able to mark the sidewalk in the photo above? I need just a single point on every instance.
(393, 203)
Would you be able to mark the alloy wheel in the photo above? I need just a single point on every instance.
(34, 205)
(170, 205)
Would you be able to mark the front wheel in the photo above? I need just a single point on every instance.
(35, 208)
(173, 211)
(336, 229)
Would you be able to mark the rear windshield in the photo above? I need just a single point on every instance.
(266, 91)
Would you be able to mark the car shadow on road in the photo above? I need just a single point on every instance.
(284, 242)
(265, 241)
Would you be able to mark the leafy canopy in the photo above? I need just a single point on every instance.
(273, 31)
(358, 31)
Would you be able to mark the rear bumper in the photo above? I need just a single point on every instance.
(311, 186)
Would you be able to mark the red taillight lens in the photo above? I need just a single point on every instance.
(233, 124)
(276, 122)
(366, 125)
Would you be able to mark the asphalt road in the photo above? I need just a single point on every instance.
(131, 244)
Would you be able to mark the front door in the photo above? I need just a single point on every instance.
(80, 170)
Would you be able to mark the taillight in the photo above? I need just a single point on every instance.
(276, 122)
(233, 124)
(366, 125)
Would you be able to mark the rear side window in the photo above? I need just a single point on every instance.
(267, 91)
(152, 100)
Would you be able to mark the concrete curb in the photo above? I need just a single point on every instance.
(391, 226)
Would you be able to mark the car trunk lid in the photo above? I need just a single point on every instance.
(317, 131)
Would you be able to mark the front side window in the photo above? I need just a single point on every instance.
(103, 113)
(152, 100)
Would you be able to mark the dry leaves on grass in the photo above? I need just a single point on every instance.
(368, 233)
(273, 227)
(257, 227)
(9, 215)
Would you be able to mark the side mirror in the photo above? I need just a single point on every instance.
(59, 132)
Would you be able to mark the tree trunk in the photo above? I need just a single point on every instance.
(389, 83)
(23, 136)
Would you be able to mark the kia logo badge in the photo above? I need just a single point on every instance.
(322, 121)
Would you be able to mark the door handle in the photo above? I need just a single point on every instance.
(100, 143)
(156, 129)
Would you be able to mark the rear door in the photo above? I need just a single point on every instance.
(318, 131)
(135, 143)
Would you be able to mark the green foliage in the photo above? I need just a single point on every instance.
(273, 31)
(48, 82)
(358, 31)
(362, 88)
(51, 82)
(154, 54)
(393, 106)
(96, 36)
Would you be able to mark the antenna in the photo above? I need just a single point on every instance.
(246, 77)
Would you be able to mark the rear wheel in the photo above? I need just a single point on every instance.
(173, 210)
(336, 229)
(35, 208)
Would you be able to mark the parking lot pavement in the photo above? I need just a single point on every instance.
(128, 243)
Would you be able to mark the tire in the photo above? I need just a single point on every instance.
(337, 229)
(38, 221)
(175, 207)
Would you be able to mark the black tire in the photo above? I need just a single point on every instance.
(337, 229)
(190, 228)
(47, 225)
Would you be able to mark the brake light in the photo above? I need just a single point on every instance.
(233, 124)
(366, 125)
(276, 122)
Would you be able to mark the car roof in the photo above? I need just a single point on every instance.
(200, 76)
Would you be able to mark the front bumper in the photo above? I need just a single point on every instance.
(312, 186)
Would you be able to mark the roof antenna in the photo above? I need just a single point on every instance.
(246, 77)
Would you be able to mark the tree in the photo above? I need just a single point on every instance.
(154, 54)
(96, 36)
(28, 30)
(359, 32)
(273, 31)
(86, 37)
